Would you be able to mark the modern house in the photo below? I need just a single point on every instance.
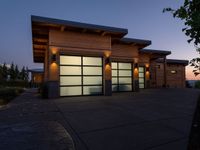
(86, 59)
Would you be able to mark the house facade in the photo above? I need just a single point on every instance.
(85, 59)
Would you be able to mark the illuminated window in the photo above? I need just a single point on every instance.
(173, 71)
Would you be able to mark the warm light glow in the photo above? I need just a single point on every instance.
(54, 50)
(136, 73)
(107, 53)
(147, 65)
(108, 72)
(190, 75)
(147, 74)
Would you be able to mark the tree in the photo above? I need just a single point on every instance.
(190, 14)
(26, 74)
(23, 73)
(12, 72)
(4, 71)
(16, 73)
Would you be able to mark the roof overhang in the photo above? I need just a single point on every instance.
(155, 54)
(42, 25)
(141, 43)
(174, 61)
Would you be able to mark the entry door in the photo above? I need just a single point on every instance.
(121, 76)
(80, 75)
(141, 77)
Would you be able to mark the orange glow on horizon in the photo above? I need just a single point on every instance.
(190, 75)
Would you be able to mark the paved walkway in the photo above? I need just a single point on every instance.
(153, 119)
(30, 123)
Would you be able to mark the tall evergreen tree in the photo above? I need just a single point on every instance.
(26, 74)
(1, 72)
(12, 72)
(16, 73)
(4, 71)
(23, 73)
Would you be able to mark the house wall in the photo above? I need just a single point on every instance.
(176, 80)
(121, 51)
(74, 43)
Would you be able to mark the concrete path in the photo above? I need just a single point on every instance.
(30, 123)
(153, 119)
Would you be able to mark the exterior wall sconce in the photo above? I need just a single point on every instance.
(136, 65)
(147, 69)
(53, 58)
(107, 60)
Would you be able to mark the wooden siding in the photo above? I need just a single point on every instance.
(79, 40)
(124, 51)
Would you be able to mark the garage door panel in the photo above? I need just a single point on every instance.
(92, 90)
(125, 80)
(70, 60)
(70, 80)
(125, 73)
(94, 61)
(92, 70)
(70, 70)
(92, 80)
(123, 87)
(70, 91)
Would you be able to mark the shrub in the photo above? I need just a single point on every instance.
(197, 84)
(7, 94)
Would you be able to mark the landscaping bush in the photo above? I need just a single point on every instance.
(14, 83)
(7, 94)
(197, 84)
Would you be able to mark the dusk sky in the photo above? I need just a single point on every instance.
(143, 19)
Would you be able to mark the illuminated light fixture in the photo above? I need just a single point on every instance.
(53, 58)
(147, 68)
(107, 60)
(136, 65)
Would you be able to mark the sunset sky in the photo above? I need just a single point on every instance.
(144, 19)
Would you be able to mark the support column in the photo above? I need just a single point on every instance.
(147, 76)
(135, 76)
(52, 85)
(107, 78)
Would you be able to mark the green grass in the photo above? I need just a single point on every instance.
(9, 93)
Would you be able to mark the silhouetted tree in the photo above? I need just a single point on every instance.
(16, 72)
(190, 14)
(4, 71)
(23, 73)
(26, 74)
(12, 72)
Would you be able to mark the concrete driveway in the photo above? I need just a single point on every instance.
(153, 119)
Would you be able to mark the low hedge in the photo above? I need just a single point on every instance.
(7, 94)
(14, 83)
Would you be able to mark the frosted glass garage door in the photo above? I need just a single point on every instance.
(80, 75)
(121, 76)
(141, 77)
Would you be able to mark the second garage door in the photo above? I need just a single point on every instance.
(121, 76)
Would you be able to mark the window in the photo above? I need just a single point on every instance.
(173, 71)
